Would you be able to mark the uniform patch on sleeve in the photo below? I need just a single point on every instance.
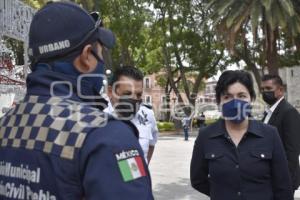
(131, 165)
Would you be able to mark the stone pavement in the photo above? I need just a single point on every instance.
(170, 170)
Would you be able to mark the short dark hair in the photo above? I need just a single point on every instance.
(128, 71)
(230, 77)
(275, 78)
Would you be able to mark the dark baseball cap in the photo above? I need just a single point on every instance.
(60, 28)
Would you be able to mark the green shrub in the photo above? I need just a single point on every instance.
(210, 121)
(166, 126)
(207, 122)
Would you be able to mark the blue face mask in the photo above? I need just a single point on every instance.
(236, 110)
(68, 69)
(97, 81)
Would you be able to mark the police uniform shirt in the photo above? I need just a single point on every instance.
(146, 124)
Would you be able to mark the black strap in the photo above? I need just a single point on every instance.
(264, 117)
(133, 127)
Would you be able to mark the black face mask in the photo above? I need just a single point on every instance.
(269, 97)
(127, 108)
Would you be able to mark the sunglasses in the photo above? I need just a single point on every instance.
(98, 24)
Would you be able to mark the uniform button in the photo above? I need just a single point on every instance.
(208, 176)
(239, 193)
(262, 155)
(237, 166)
(212, 155)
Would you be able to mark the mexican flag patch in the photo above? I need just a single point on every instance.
(131, 168)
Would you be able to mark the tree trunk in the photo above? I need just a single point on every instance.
(245, 56)
(125, 56)
(168, 108)
(167, 61)
(170, 75)
(273, 63)
(297, 43)
(180, 64)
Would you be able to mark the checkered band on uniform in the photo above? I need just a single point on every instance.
(53, 125)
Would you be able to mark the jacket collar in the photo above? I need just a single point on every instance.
(219, 129)
(45, 82)
(273, 107)
(276, 111)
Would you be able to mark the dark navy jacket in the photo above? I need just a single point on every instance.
(56, 148)
(254, 170)
(287, 121)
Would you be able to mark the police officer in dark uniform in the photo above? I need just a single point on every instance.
(56, 144)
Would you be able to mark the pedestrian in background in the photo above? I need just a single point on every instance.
(237, 157)
(286, 119)
(186, 123)
(201, 120)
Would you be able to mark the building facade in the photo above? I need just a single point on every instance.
(155, 95)
(291, 78)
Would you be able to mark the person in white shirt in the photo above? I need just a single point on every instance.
(145, 122)
(270, 110)
(125, 92)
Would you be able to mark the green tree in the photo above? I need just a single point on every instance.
(266, 19)
(186, 49)
(163, 35)
(128, 19)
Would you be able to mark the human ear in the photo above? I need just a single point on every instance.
(85, 62)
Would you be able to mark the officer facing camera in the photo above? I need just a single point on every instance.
(125, 92)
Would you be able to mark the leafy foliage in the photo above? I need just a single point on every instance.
(267, 20)
(162, 36)
(165, 126)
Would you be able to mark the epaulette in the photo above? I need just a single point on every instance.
(147, 106)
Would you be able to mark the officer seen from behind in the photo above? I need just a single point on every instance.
(56, 144)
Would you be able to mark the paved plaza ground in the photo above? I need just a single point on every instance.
(170, 170)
